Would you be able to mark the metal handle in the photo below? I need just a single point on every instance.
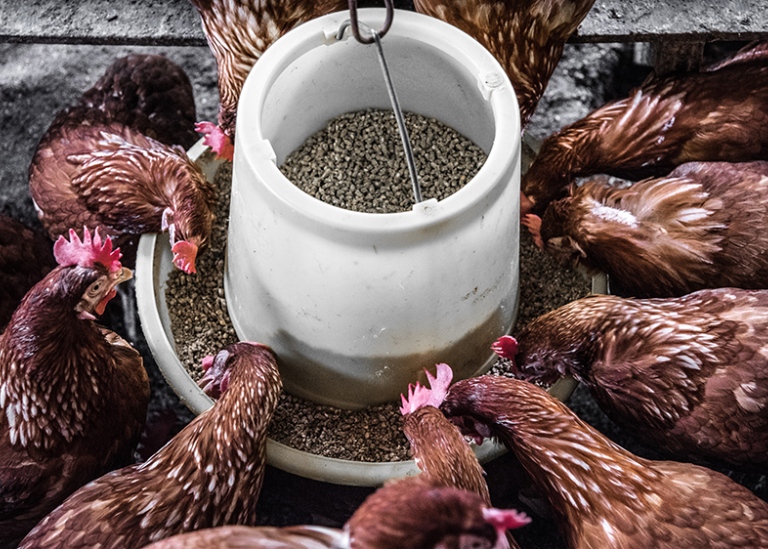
(353, 22)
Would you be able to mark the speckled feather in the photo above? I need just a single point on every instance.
(25, 258)
(238, 33)
(148, 93)
(208, 475)
(703, 226)
(719, 114)
(73, 399)
(409, 513)
(688, 375)
(602, 495)
(441, 452)
(527, 37)
(97, 166)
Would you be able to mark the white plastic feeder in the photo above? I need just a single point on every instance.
(354, 304)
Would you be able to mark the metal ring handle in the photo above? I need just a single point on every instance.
(390, 6)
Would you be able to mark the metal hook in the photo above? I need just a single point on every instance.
(353, 22)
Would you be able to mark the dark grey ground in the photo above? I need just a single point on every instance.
(37, 80)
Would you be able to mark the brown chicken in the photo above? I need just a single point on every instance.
(438, 447)
(208, 475)
(703, 226)
(602, 495)
(527, 37)
(73, 395)
(686, 375)
(99, 166)
(718, 114)
(238, 33)
(26, 256)
(410, 513)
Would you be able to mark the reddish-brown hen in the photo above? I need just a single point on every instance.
(238, 33)
(73, 396)
(410, 513)
(208, 475)
(26, 256)
(686, 375)
(703, 226)
(97, 165)
(527, 37)
(718, 114)
(602, 495)
(440, 451)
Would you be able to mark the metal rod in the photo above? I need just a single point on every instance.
(400, 120)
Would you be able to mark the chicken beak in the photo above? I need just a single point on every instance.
(117, 277)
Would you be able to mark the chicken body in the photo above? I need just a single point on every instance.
(409, 513)
(208, 475)
(73, 396)
(440, 451)
(686, 375)
(602, 495)
(527, 37)
(703, 226)
(26, 256)
(97, 165)
(720, 114)
(238, 33)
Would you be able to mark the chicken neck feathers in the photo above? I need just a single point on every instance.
(442, 454)
(602, 495)
(664, 123)
(686, 375)
(238, 32)
(694, 229)
(527, 38)
(208, 475)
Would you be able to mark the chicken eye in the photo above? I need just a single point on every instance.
(95, 288)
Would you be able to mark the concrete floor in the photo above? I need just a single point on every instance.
(38, 80)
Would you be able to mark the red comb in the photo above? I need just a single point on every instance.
(216, 139)
(505, 346)
(419, 396)
(505, 519)
(88, 251)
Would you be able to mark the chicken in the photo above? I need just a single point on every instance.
(99, 166)
(600, 494)
(73, 396)
(718, 114)
(686, 375)
(702, 226)
(438, 447)
(210, 474)
(527, 37)
(26, 256)
(238, 33)
(409, 513)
